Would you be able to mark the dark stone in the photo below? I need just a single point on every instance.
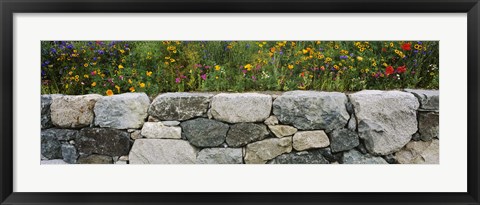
(416, 137)
(305, 157)
(428, 125)
(61, 134)
(179, 106)
(203, 132)
(361, 147)
(243, 133)
(46, 121)
(343, 139)
(69, 153)
(50, 146)
(104, 141)
(355, 157)
(332, 157)
(95, 159)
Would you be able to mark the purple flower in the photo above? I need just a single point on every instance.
(204, 76)
(121, 77)
(343, 57)
(254, 78)
(53, 50)
(207, 67)
(244, 71)
(70, 46)
(178, 80)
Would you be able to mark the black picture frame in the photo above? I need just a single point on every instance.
(9, 7)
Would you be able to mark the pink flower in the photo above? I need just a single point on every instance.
(121, 77)
(254, 78)
(207, 66)
(92, 73)
(244, 71)
(178, 80)
(204, 76)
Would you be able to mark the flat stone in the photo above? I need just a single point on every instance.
(343, 139)
(428, 125)
(95, 159)
(179, 106)
(304, 140)
(282, 130)
(136, 134)
(50, 145)
(203, 132)
(69, 153)
(419, 152)
(158, 130)
(241, 134)
(70, 111)
(162, 151)
(304, 157)
(220, 156)
(429, 99)
(386, 119)
(152, 119)
(170, 123)
(241, 107)
(124, 111)
(262, 151)
(52, 162)
(272, 120)
(312, 110)
(61, 134)
(103, 141)
(355, 157)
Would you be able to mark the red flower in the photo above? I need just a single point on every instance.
(389, 70)
(401, 69)
(384, 49)
(406, 46)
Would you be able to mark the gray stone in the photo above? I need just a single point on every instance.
(50, 146)
(220, 156)
(46, 101)
(95, 159)
(272, 120)
(304, 157)
(241, 134)
(162, 151)
(70, 111)
(158, 130)
(355, 157)
(327, 153)
(61, 134)
(352, 123)
(386, 119)
(104, 141)
(419, 152)
(429, 99)
(203, 132)
(69, 153)
(124, 111)
(152, 119)
(428, 125)
(262, 151)
(304, 140)
(312, 110)
(343, 139)
(282, 130)
(170, 123)
(120, 162)
(179, 106)
(241, 107)
(52, 162)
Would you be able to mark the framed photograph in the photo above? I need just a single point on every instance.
(241, 102)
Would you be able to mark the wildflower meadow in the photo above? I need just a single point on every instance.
(113, 67)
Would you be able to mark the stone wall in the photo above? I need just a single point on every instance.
(297, 127)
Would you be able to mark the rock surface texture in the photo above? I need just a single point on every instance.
(162, 151)
(311, 110)
(243, 133)
(262, 151)
(241, 107)
(203, 132)
(69, 111)
(386, 119)
(124, 111)
(179, 106)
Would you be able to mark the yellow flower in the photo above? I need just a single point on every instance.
(264, 42)
(122, 51)
(132, 89)
(94, 84)
(248, 67)
(336, 67)
(66, 86)
(76, 76)
(149, 73)
(70, 73)
(290, 67)
(85, 76)
(130, 81)
(391, 44)
(217, 67)
(118, 88)
(172, 60)
(216, 77)
(359, 58)
(109, 92)
(85, 65)
(304, 51)
(142, 85)
(120, 66)
(336, 47)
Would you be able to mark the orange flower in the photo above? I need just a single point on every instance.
(109, 92)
